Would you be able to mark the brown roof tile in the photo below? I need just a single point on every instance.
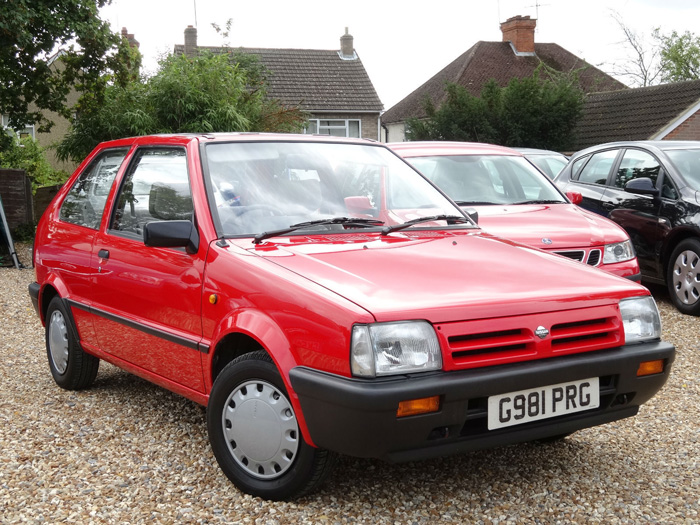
(316, 80)
(633, 114)
(496, 60)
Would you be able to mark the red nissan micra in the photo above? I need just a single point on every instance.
(319, 296)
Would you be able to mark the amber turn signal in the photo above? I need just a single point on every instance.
(423, 405)
(647, 368)
(213, 298)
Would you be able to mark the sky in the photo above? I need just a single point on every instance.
(401, 43)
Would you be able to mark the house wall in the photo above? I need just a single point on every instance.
(395, 132)
(688, 130)
(369, 123)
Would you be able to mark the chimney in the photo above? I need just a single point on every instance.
(190, 41)
(347, 49)
(130, 38)
(520, 32)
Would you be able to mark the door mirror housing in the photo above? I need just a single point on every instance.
(171, 234)
(575, 197)
(641, 186)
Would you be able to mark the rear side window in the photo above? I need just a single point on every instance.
(636, 164)
(598, 167)
(85, 203)
(156, 188)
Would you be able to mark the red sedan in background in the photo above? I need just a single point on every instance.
(516, 201)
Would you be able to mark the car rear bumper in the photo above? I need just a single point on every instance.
(34, 289)
(358, 417)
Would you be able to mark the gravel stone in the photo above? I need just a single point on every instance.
(126, 451)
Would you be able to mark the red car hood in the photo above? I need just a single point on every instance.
(567, 226)
(415, 276)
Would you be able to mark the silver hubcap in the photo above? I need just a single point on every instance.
(686, 281)
(261, 429)
(58, 341)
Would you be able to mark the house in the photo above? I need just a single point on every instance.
(60, 123)
(516, 56)
(663, 112)
(332, 86)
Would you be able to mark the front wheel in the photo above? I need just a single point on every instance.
(255, 436)
(71, 367)
(683, 277)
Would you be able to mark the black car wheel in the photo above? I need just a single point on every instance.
(71, 367)
(684, 277)
(255, 436)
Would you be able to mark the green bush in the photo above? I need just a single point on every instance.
(27, 155)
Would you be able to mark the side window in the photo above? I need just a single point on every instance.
(85, 203)
(598, 167)
(636, 164)
(668, 189)
(156, 188)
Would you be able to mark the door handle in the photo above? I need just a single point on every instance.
(103, 254)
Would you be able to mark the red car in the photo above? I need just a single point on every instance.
(516, 201)
(319, 296)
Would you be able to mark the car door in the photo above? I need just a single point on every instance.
(148, 300)
(638, 214)
(589, 177)
(69, 253)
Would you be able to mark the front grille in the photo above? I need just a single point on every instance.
(593, 257)
(487, 342)
(576, 255)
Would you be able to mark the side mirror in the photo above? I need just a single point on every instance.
(472, 214)
(171, 234)
(358, 204)
(641, 186)
(575, 197)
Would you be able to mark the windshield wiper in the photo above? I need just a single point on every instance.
(351, 222)
(474, 203)
(451, 219)
(543, 201)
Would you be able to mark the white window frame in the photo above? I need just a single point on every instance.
(339, 123)
(27, 130)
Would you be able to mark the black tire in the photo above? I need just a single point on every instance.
(71, 367)
(683, 277)
(263, 454)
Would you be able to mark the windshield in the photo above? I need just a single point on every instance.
(551, 165)
(488, 179)
(263, 187)
(687, 162)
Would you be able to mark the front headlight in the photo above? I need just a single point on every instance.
(618, 252)
(640, 318)
(382, 349)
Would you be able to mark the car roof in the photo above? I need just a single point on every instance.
(424, 148)
(662, 145)
(184, 138)
(535, 151)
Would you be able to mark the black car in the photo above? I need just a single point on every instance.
(652, 190)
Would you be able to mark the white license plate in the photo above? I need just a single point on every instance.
(516, 408)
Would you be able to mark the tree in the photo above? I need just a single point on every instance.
(30, 32)
(643, 68)
(540, 111)
(202, 94)
(680, 56)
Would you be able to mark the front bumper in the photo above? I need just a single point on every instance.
(358, 417)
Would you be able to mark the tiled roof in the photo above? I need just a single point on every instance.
(496, 60)
(634, 114)
(316, 80)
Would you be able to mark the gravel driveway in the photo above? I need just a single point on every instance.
(126, 451)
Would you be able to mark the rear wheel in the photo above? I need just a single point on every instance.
(70, 366)
(683, 277)
(255, 436)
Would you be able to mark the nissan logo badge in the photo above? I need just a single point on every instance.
(541, 332)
